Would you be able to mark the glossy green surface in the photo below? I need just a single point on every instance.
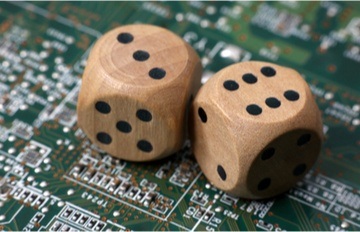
(43, 48)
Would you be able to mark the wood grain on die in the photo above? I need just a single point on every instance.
(141, 77)
(248, 106)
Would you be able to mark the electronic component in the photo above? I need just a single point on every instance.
(279, 22)
(33, 154)
(4, 189)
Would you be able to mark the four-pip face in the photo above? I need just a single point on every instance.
(135, 90)
(256, 129)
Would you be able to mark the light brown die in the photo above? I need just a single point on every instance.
(135, 90)
(255, 129)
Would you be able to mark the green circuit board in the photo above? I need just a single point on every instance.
(53, 178)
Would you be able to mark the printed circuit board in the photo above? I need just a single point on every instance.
(53, 178)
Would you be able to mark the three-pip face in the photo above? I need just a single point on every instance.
(135, 90)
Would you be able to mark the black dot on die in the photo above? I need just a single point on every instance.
(141, 55)
(292, 95)
(300, 169)
(202, 115)
(123, 126)
(231, 85)
(144, 146)
(221, 172)
(264, 184)
(157, 73)
(102, 107)
(249, 78)
(303, 139)
(272, 102)
(125, 38)
(254, 109)
(103, 137)
(268, 71)
(268, 153)
(144, 115)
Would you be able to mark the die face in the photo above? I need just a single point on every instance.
(130, 131)
(154, 56)
(147, 115)
(214, 150)
(252, 135)
(260, 92)
(282, 163)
